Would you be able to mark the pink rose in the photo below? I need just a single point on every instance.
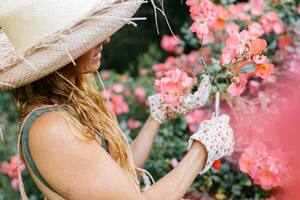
(133, 124)
(140, 94)
(171, 44)
(238, 87)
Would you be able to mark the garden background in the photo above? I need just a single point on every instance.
(136, 56)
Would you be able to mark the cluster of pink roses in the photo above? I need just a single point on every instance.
(189, 63)
(209, 17)
(244, 49)
(117, 102)
(174, 85)
(171, 44)
(263, 165)
(205, 16)
(10, 169)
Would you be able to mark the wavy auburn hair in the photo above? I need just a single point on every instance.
(87, 106)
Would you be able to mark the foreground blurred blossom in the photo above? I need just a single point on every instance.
(133, 124)
(10, 169)
(263, 165)
(171, 44)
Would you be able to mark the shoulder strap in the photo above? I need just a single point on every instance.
(43, 186)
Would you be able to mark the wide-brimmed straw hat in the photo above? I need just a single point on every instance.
(37, 37)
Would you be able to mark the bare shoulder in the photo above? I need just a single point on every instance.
(76, 169)
(50, 129)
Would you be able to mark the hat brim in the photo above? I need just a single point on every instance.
(41, 60)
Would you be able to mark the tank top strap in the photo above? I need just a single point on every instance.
(23, 144)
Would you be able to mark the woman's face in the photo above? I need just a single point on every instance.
(87, 63)
(90, 61)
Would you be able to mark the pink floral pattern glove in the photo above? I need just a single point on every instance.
(161, 111)
(217, 137)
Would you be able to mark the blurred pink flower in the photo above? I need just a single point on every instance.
(105, 74)
(232, 28)
(118, 88)
(171, 44)
(200, 27)
(5, 168)
(238, 87)
(107, 93)
(10, 169)
(119, 106)
(237, 11)
(271, 22)
(140, 94)
(256, 29)
(194, 118)
(174, 162)
(298, 9)
(14, 183)
(133, 124)
(256, 7)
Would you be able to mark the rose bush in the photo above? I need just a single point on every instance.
(245, 47)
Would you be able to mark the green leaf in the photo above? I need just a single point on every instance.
(247, 69)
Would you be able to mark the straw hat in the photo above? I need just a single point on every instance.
(38, 37)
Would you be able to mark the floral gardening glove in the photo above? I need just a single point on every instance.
(161, 111)
(217, 136)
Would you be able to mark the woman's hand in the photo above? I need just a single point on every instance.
(161, 111)
(217, 137)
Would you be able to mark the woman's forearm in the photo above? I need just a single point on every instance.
(142, 144)
(174, 185)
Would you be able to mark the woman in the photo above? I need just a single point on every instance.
(71, 142)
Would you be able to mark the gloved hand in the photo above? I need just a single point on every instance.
(217, 137)
(161, 111)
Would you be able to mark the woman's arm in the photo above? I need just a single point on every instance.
(84, 170)
(142, 144)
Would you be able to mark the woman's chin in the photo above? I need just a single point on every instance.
(93, 68)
